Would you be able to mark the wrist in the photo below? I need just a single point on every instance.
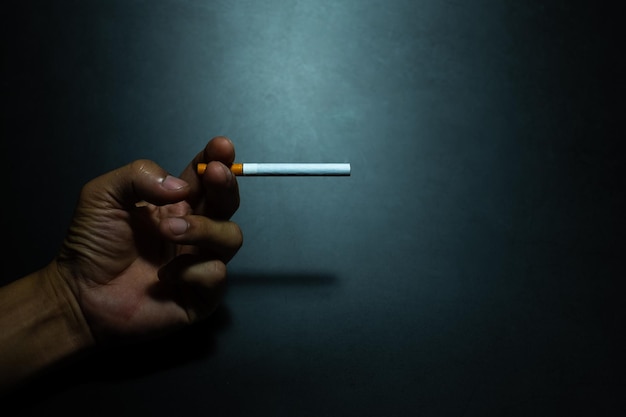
(41, 324)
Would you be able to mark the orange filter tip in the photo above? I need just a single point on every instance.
(237, 169)
(201, 167)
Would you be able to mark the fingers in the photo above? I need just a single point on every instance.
(204, 283)
(141, 180)
(222, 191)
(213, 237)
(216, 192)
(220, 149)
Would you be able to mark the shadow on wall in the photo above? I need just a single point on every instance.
(288, 279)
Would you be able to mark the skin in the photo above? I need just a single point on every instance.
(145, 254)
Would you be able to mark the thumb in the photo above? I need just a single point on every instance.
(141, 180)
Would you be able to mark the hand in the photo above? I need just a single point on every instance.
(146, 252)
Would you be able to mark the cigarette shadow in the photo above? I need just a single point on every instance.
(295, 279)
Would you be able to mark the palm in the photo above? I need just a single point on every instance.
(118, 261)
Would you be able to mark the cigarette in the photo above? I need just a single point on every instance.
(286, 169)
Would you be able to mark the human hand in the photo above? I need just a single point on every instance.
(146, 252)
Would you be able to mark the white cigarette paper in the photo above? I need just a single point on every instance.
(295, 169)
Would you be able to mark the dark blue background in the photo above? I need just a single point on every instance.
(471, 265)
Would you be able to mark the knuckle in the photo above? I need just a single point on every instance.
(139, 165)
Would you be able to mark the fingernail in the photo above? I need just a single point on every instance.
(173, 183)
(177, 225)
